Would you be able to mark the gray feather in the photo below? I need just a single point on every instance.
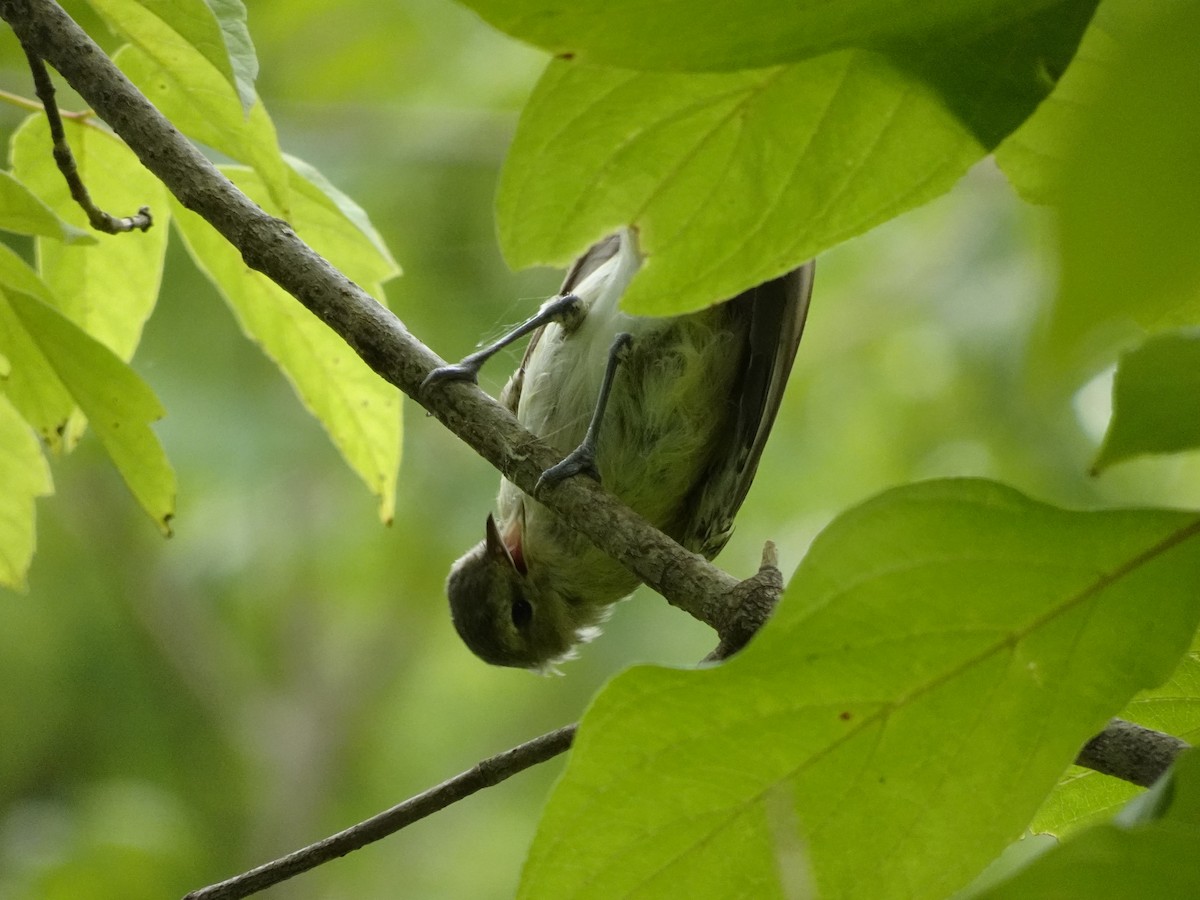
(772, 319)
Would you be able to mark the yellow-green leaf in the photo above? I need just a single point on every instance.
(359, 410)
(109, 290)
(31, 384)
(34, 389)
(231, 18)
(1156, 400)
(1130, 195)
(23, 213)
(66, 361)
(218, 35)
(1035, 156)
(24, 476)
(200, 102)
(16, 274)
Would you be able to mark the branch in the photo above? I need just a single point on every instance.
(1131, 752)
(269, 246)
(490, 772)
(487, 773)
(98, 218)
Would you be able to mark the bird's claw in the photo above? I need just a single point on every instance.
(580, 461)
(460, 371)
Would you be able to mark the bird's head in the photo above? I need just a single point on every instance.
(510, 616)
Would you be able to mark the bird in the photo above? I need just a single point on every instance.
(670, 414)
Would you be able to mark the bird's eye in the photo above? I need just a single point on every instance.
(522, 612)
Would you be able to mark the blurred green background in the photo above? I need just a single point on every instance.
(173, 712)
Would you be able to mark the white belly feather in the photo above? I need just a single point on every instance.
(660, 418)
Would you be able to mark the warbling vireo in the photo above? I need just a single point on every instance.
(670, 413)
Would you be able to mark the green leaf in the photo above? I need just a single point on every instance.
(1109, 863)
(34, 388)
(1173, 797)
(1035, 157)
(231, 15)
(24, 476)
(1014, 858)
(359, 410)
(16, 274)
(1130, 219)
(696, 36)
(1156, 400)
(32, 385)
(1157, 859)
(937, 661)
(374, 264)
(1183, 803)
(1173, 706)
(732, 179)
(65, 360)
(199, 102)
(1084, 797)
(215, 30)
(21, 212)
(109, 290)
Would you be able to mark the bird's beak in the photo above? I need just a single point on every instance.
(497, 550)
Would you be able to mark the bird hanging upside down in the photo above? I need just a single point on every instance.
(670, 414)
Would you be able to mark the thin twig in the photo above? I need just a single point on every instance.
(99, 219)
(487, 773)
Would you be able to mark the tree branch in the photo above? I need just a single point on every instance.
(1131, 752)
(487, 773)
(98, 218)
(269, 246)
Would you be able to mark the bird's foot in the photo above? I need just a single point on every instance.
(467, 370)
(580, 461)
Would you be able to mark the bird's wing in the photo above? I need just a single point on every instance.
(595, 256)
(776, 311)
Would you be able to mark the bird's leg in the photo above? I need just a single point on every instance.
(567, 310)
(582, 460)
